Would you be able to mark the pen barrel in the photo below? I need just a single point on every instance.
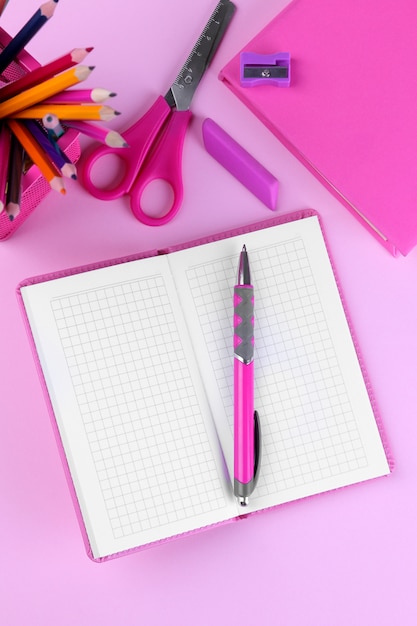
(244, 426)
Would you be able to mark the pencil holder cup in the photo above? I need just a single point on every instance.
(34, 187)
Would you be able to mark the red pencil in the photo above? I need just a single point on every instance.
(45, 72)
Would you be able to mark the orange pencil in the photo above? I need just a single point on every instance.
(69, 112)
(38, 156)
(44, 90)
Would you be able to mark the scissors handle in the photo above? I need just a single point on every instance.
(165, 163)
(140, 137)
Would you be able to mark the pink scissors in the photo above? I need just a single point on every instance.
(156, 140)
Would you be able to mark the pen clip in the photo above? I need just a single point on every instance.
(257, 448)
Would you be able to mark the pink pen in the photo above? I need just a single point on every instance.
(246, 422)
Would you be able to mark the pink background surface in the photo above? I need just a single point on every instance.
(342, 558)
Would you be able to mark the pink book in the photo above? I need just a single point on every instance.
(348, 114)
(135, 356)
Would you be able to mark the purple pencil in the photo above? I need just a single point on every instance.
(52, 150)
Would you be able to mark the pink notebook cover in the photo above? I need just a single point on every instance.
(238, 231)
(349, 113)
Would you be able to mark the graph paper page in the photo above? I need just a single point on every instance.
(132, 414)
(317, 423)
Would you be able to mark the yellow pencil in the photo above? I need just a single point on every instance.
(37, 155)
(44, 90)
(69, 112)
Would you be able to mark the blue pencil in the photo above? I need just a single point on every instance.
(26, 33)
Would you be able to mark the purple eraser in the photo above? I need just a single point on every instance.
(240, 163)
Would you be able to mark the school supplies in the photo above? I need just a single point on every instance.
(156, 139)
(81, 96)
(14, 187)
(347, 115)
(69, 112)
(240, 163)
(4, 158)
(38, 155)
(245, 420)
(43, 73)
(104, 135)
(12, 106)
(34, 185)
(27, 32)
(38, 94)
(50, 146)
(136, 363)
(52, 126)
(265, 69)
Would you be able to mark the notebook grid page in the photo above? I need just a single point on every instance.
(138, 406)
(309, 431)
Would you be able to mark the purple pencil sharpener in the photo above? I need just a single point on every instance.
(265, 69)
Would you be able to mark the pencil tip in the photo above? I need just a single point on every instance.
(112, 94)
(74, 176)
(90, 48)
(117, 113)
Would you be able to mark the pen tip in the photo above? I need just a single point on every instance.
(244, 248)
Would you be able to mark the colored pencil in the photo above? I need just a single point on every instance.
(43, 73)
(38, 156)
(109, 137)
(80, 96)
(4, 162)
(14, 182)
(52, 149)
(36, 94)
(29, 30)
(53, 126)
(69, 112)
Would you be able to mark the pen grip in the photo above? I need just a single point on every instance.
(243, 322)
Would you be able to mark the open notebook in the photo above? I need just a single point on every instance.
(348, 114)
(137, 361)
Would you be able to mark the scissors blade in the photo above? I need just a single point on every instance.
(182, 89)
